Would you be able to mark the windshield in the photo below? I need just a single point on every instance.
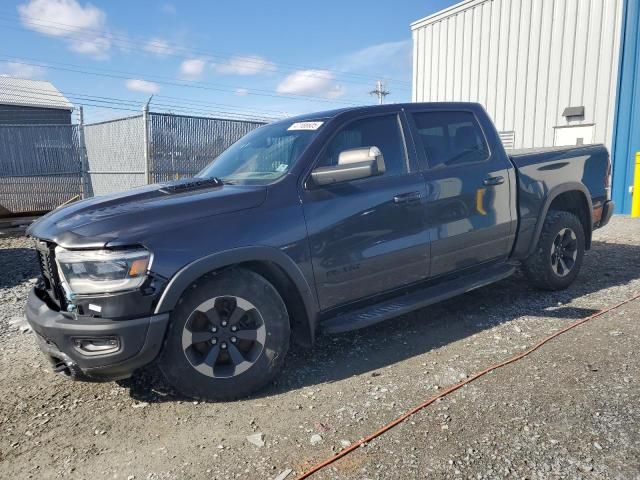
(263, 155)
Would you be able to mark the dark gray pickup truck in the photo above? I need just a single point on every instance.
(327, 222)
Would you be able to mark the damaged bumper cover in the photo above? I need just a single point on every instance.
(95, 349)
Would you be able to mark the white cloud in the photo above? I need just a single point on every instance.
(84, 27)
(378, 57)
(159, 47)
(245, 65)
(56, 17)
(96, 48)
(192, 69)
(242, 92)
(311, 82)
(21, 70)
(144, 86)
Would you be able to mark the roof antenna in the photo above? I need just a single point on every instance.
(380, 92)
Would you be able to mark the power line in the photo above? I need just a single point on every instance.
(172, 50)
(138, 102)
(81, 97)
(123, 75)
(200, 102)
(123, 104)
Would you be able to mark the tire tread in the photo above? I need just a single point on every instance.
(537, 266)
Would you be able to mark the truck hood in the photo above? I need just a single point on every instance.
(126, 218)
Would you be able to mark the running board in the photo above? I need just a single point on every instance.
(412, 301)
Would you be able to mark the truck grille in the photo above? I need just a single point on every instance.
(49, 271)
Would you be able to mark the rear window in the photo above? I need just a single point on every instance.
(450, 138)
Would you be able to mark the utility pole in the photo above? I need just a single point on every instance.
(380, 92)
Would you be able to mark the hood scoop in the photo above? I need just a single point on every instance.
(190, 184)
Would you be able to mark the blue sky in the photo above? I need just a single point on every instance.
(212, 57)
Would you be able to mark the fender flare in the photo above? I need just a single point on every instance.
(194, 270)
(551, 196)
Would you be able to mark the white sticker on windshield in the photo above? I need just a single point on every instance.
(282, 167)
(305, 126)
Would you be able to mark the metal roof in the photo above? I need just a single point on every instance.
(31, 93)
(446, 12)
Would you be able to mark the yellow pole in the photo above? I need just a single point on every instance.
(635, 199)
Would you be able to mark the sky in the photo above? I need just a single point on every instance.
(236, 59)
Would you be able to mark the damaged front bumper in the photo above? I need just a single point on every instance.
(95, 349)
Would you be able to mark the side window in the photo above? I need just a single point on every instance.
(383, 132)
(450, 138)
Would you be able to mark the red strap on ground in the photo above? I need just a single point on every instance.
(455, 387)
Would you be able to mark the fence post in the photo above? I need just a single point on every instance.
(84, 161)
(147, 153)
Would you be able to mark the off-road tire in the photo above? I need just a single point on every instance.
(234, 283)
(539, 266)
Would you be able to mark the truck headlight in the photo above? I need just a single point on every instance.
(102, 271)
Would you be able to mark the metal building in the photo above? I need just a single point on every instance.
(32, 102)
(549, 72)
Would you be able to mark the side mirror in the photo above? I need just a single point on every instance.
(353, 164)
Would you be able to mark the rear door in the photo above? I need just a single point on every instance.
(367, 236)
(468, 208)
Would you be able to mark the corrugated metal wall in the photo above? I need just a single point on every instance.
(627, 131)
(525, 61)
(40, 166)
(19, 115)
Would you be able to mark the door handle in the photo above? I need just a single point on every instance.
(407, 197)
(491, 181)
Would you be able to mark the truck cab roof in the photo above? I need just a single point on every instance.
(330, 114)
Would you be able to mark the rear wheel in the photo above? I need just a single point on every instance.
(556, 262)
(228, 337)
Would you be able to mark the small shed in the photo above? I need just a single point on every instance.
(32, 102)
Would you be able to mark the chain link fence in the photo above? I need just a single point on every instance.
(40, 167)
(115, 155)
(43, 166)
(181, 146)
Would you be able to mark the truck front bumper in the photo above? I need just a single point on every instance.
(95, 349)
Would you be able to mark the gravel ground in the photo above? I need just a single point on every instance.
(570, 410)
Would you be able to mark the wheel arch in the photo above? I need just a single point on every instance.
(279, 269)
(570, 197)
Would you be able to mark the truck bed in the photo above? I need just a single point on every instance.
(542, 174)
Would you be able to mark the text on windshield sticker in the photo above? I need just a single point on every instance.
(305, 126)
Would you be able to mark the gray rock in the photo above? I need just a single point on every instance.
(256, 439)
(284, 474)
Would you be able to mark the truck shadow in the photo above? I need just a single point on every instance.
(339, 357)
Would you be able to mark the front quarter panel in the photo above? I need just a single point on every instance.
(273, 232)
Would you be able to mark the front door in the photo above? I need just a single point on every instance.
(469, 209)
(367, 236)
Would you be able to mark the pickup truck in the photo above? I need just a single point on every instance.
(326, 222)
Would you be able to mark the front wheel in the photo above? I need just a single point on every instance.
(558, 256)
(227, 338)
